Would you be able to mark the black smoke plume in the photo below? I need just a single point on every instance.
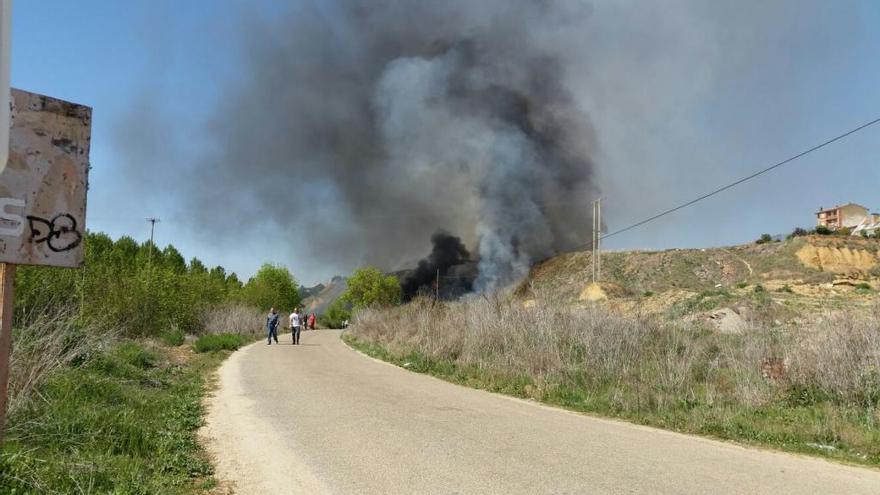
(369, 125)
(448, 252)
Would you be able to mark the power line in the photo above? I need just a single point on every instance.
(744, 179)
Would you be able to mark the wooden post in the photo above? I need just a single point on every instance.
(7, 303)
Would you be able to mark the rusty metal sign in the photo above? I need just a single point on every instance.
(43, 188)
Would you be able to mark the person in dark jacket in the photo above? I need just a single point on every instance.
(272, 325)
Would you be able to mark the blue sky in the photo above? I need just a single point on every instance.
(813, 76)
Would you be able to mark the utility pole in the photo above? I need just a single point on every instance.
(150, 258)
(596, 249)
(599, 239)
(437, 287)
(593, 244)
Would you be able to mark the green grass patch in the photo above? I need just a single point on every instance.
(172, 338)
(220, 342)
(125, 421)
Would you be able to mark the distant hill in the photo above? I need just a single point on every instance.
(321, 296)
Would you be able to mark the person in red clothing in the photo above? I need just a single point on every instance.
(312, 321)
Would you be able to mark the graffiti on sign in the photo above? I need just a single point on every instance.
(59, 234)
(43, 188)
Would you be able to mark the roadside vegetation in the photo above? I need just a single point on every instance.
(110, 364)
(814, 389)
(367, 288)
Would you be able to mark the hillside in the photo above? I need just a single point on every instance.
(323, 296)
(778, 281)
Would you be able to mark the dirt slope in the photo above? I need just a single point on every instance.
(782, 281)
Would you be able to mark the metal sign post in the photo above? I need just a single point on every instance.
(42, 200)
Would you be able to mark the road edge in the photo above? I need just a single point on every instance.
(621, 421)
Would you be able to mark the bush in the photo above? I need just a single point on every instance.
(367, 287)
(765, 238)
(798, 232)
(336, 315)
(219, 342)
(173, 337)
(823, 230)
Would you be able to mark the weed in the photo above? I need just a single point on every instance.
(173, 337)
(219, 342)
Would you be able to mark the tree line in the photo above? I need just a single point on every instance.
(143, 291)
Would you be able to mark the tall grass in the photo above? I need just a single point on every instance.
(50, 342)
(789, 387)
(233, 318)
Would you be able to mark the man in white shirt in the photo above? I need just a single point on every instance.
(295, 325)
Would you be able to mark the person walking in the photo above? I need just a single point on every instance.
(312, 321)
(272, 325)
(296, 320)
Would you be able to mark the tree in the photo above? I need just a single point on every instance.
(367, 287)
(272, 286)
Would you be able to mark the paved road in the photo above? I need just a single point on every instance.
(322, 418)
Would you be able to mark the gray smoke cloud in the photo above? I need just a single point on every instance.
(371, 125)
(348, 132)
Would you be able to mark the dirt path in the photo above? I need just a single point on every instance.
(321, 418)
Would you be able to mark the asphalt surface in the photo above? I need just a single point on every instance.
(322, 418)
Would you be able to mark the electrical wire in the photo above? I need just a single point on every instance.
(744, 179)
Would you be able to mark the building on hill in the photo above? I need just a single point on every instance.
(849, 215)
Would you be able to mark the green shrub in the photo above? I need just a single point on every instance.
(133, 354)
(336, 315)
(368, 287)
(173, 337)
(798, 232)
(759, 288)
(823, 230)
(742, 285)
(765, 238)
(785, 288)
(219, 342)
(648, 293)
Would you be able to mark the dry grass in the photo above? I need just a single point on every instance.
(233, 318)
(49, 342)
(768, 385)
